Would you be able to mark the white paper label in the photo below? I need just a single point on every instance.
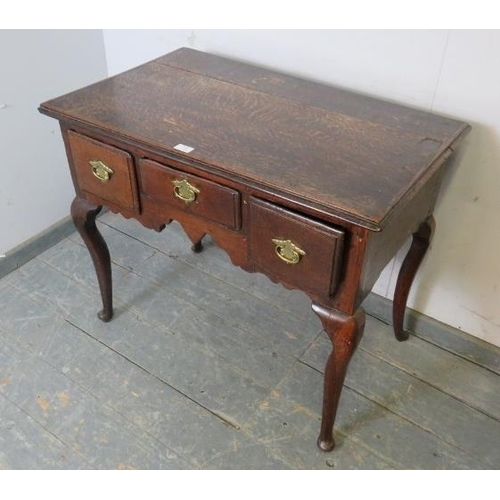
(184, 148)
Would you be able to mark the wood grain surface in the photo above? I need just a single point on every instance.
(347, 153)
(213, 201)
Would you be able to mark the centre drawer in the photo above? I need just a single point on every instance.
(300, 251)
(191, 193)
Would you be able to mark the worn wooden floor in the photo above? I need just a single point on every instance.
(207, 367)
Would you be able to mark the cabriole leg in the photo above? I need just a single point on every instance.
(84, 214)
(345, 333)
(409, 268)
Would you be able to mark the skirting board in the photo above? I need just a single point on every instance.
(447, 337)
(420, 325)
(34, 246)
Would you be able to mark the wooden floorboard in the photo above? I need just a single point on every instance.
(205, 366)
(26, 444)
(416, 401)
(449, 373)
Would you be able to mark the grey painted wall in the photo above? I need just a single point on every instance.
(36, 65)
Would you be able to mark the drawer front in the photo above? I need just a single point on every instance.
(104, 171)
(191, 194)
(298, 251)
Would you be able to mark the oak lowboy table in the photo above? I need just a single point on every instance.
(314, 186)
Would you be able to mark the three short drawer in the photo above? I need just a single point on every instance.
(191, 194)
(300, 251)
(297, 250)
(104, 171)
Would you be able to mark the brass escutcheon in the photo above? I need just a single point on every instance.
(288, 251)
(101, 170)
(185, 191)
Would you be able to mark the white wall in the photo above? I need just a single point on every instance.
(456, 73)
(36, 65)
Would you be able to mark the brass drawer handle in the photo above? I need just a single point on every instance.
(101, 170)
(288, 251)
(185, 191)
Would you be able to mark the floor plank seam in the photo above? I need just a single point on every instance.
(305, 363)
(358, 442)
(159, 284)
(81, 282)
(197, 403)
(313, 341)
(270, 389)
(40, 259)
(207, 351)
(206, 463)
(118, 303)
(401, 416)
(48, 431)
(416, 424)
(343, 438)
(10, 284)
(166, 331)
(78, 241)
(455, 353)
(102, 403)
(435, 343)
(430, 384)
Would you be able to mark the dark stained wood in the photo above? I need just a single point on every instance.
(197, 247)
(84, 214)
(213, 201)
(121, 186)
(351, 165)
(416, 253)
(382, 246)
(309, 93)
(317, 270)
(345, 332)
(155, 214)
(337, 179)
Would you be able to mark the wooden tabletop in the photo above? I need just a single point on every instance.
(347, 153)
